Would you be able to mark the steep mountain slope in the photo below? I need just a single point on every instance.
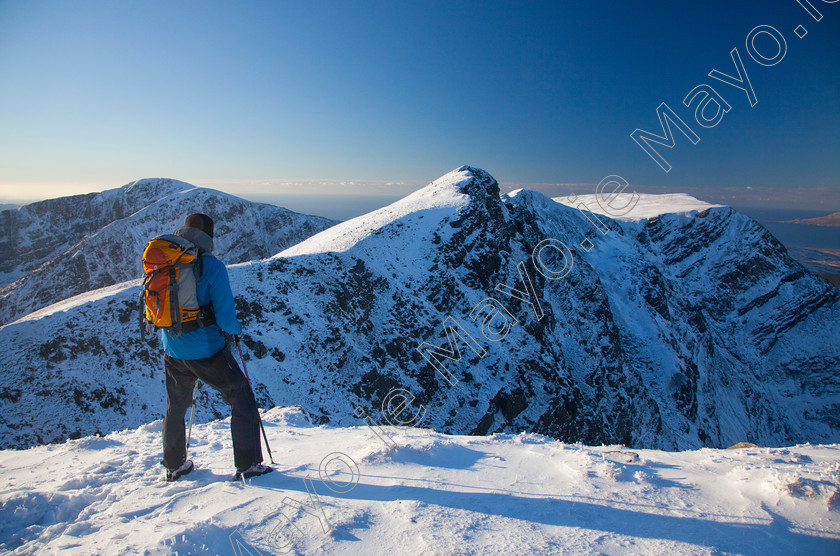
(432, 494)
(56, 249)
(680, 330)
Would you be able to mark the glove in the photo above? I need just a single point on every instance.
(231, 338)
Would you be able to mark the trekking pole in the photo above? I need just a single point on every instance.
(192, 410)
(245, 370)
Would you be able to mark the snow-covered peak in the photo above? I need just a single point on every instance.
(448, 193)
(646, 206)
(465, 180)
(154, 188)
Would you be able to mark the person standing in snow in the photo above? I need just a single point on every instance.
(205, 355)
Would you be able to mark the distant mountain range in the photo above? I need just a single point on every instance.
(52, 250)
(680, 326)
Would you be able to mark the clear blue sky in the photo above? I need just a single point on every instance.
(233, 95)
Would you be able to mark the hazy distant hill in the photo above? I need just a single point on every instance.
(687, 325)
(55, 249)
(828, 220)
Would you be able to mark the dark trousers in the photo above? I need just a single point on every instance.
(223, 374)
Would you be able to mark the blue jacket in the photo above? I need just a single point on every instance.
(214, 288)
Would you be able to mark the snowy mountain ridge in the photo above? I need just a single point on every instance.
(640, 205)
(677, 331)
(63, 247)
(441, 194)
(37, 232)
(67, 305)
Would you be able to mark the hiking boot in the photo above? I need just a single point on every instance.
(253, 471)
(173, 474)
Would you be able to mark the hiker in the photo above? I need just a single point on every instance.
(204, 354)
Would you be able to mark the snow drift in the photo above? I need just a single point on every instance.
(342, 491)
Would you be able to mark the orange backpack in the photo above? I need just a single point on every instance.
(172, 267)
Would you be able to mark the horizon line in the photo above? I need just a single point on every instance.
(291, 187)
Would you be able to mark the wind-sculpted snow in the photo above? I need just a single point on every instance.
(340, 491)
(60, 248)
(677, 331)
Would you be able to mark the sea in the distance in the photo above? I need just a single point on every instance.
(336, 207)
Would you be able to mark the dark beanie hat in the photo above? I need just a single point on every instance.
(200, 221)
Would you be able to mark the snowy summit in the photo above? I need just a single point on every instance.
(449, 191)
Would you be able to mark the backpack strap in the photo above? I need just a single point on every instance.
(206, 316)
(200, 266)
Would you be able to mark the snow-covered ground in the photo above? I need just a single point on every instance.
(637, 206)
(429, 494)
